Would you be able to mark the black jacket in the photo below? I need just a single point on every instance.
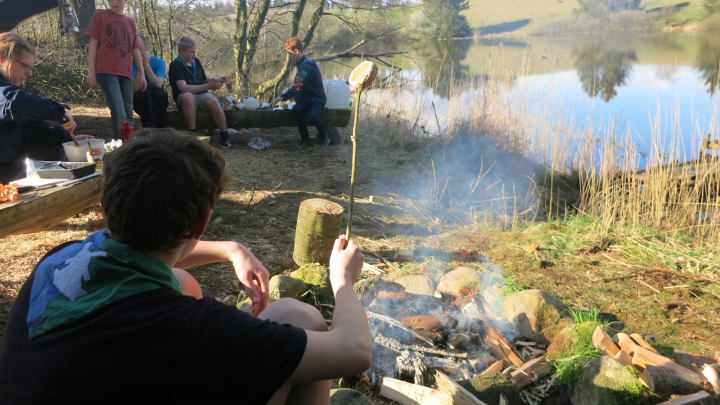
(308, 84)
(22, 122)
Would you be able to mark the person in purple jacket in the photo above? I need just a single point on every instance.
(23, 130)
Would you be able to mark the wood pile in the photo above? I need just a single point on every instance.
(662, 375)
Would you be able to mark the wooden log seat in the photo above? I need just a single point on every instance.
(257, 119)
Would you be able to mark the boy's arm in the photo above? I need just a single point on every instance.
(92, 57)
(347, 348)
(194, 89)
(152, 77)
(140, 69)
(251, 273)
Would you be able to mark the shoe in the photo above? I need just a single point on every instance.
(224, 143)
(304, 144)
(323, 141)
(198, 132)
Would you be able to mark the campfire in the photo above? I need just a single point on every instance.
(450, 349)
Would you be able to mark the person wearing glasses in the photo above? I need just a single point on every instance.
(23, 130)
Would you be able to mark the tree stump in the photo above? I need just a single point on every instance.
(318, 225)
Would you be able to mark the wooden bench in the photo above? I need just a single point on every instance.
(39, 210)
(265, 118)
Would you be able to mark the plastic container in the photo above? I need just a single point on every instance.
(125, 132)
(251, 104)
(67, 170)
(337, 93)
(79, 153)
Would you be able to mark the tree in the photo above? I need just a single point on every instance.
(443, 19)
(600, 8)
(711, 6)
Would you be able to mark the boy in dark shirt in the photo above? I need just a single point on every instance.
(190, 88)
(109, 319)
(309, 96)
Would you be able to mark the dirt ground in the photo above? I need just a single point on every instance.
(259, 209)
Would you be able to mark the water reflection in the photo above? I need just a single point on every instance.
(708, 63)
(601, 70)
(442, 68)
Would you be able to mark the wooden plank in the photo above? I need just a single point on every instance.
(37, 211)
(459, 395)
(406, 393)
(257, 119)
(531, 371)
(494, 368)
(604, 343)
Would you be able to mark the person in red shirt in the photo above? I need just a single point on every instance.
(113, 45)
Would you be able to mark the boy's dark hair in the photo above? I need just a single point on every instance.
(158, 186)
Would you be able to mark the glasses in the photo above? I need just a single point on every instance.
(28, 68)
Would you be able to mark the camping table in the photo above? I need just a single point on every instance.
(39, 210)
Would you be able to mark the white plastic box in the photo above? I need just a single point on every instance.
(337, 93)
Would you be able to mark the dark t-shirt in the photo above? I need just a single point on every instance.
(154, 346)
(193, 76)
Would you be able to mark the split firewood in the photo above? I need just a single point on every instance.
(531, 371)
(604, 343)
(531, 248)
(413, 394)
(624, 358)
(643, 357)
(692, 361)
(665, 381)
(379, 200)
(372, 269)
(500, 347)
(392, 295)
(712, 373)
(639, 340)
(494, 368)
(404, 255)
(688, 399)
(425, 322)
(460, 395)
(393, 344)
(628, 344)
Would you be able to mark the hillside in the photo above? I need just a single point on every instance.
(494, 17)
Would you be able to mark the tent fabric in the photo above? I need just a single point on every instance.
(13, 12)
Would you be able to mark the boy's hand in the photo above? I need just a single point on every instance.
(70, 125)
(255, 277)
(274, 103)
(345, 264)
(215, 84)
(143, 83)
(92, 80)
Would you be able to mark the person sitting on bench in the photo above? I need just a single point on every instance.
(309, 96)
(114, 319)
(190, 88)
(23, 130)
(152, 104)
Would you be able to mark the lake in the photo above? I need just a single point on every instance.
(622, 77)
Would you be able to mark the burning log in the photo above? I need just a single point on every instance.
(412, 394)
(604, 343)
(393, 322)
(500, 347)
(460, 395)
(530, 372)
(713, 375)
(425, 322)
(494, 368)
(393, 344)
(666, 381)
(410, 366)
(640, 341)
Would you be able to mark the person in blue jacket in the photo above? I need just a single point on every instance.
(23, 130)
(309, 96)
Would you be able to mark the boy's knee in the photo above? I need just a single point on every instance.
(296, 313)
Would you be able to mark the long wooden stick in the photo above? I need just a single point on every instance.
(354, 159)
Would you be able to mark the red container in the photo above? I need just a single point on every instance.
(228, 84)
(125, 132)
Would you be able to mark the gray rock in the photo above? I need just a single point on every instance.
(287, 287)
(417, 284)
(539, 315)
(461, 278)
(369, 288)
(246, 306)
(607, 382)
(346, 396)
